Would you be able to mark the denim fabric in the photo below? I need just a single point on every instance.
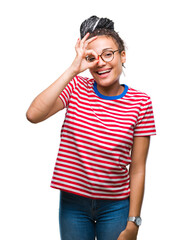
(82, 218)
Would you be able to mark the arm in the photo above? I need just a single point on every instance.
(137, 181)
(48, 102)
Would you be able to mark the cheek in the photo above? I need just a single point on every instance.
(118, 69)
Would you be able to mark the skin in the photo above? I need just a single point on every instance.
(137, 181)
(48, 103)
(108, 85)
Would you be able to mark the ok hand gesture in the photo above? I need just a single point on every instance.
(80, 63)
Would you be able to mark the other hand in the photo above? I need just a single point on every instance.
(128, 234)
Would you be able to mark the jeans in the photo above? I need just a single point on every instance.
(82, 218)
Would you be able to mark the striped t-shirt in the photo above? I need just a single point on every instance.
(97, 137)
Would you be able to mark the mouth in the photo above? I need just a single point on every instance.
(103, 73)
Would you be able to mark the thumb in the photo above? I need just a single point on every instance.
(93, 64)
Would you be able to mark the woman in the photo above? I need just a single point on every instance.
(107, 127)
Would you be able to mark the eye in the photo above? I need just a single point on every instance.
(90, 58)
(107, 54)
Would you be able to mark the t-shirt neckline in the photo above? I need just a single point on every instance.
(110, 97)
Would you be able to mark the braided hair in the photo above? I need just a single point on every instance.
(101, 27)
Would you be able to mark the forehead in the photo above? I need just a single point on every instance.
(101, 43)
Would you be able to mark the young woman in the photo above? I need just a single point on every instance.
(107, 127)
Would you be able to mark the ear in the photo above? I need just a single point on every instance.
(123, 56)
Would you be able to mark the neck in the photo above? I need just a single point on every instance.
(111, 90)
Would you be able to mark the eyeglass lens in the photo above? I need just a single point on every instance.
(106, 56)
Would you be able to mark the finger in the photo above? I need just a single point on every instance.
(85, 37)
(77, 44)
(92, 54)
(93, 64)
(89, 41)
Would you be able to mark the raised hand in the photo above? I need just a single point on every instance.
(80, 63)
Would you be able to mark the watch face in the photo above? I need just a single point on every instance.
(138, 221)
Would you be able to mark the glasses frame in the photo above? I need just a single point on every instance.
(103, 53)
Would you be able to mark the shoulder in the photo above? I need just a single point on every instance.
(137, 95)
(84, 81)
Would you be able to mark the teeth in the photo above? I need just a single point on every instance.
(103, 71)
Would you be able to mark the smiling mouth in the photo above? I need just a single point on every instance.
(103, 72)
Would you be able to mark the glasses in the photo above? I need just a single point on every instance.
(106, 56)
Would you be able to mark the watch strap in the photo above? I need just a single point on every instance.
(132, 219)
(136, 220)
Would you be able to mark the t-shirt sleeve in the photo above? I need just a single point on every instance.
(67, 91)
(145, 124)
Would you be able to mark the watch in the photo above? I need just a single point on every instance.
(136, 220)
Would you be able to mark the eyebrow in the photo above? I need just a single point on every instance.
(106, 49)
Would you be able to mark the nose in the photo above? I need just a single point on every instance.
(101, 61)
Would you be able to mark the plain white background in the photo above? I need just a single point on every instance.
(36, 46)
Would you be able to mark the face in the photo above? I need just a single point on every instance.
(106, 73)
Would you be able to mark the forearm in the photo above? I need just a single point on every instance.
(47, 103)
(42, 104)
(136, 197)
(137, 176)
(137, 182)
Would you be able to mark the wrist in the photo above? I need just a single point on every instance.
(137, 220)
(132, 226)
(72, 71)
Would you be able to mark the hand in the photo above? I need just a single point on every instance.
(127, 235)
(130, 233)
(80, 63)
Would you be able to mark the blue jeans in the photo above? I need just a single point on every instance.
(83, 218)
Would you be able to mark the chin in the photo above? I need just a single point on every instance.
(106, 82)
